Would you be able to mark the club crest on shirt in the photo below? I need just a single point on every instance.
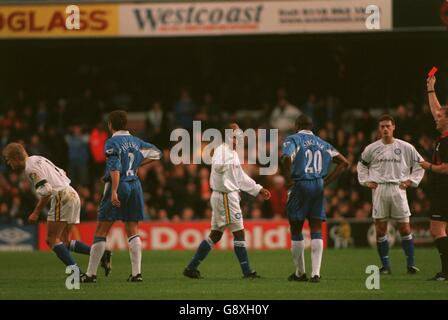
(33, 176)
(238, 216)
(397, 151)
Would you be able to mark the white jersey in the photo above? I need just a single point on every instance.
(45, 176)
(390, 163)
(227, 175)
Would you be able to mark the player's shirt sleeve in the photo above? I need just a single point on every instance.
(363, 167)
(150, 151)
(36, 176)
(417, 172)
(332, 151)
(290, 148)
(112, 152)
(248, 184)
(222, 159)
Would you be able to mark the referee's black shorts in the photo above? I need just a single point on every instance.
(439, 209)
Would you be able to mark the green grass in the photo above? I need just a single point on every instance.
(39, 275)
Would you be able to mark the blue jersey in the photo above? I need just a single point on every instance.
(125, 153)
(310, 155)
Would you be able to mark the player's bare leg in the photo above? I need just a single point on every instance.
(382, 244)
(97, 250)
(297, 251)
(191, 271)
(439, 232)
(55, 237)
(239, 246)
(135, 251)
(408, 246)
(317, 248)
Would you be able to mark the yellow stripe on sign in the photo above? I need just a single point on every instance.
(53, 21)
(226, 207)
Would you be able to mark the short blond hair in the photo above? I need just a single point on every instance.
(15, 150)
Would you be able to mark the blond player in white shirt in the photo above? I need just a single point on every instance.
(389, 166)
(52, 184)
(227, 179)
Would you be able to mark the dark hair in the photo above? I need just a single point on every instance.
(118, 119)
(386, 117)
(304, 122)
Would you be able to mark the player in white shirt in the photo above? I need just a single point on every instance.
(389, 166)
(52, 184)
(227, 179)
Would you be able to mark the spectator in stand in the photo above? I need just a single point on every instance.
(184, 110)
(36, 147)
(78, 156)
(284, 115)
(157, 125)
(97, 140)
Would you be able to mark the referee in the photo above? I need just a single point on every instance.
(438, 170)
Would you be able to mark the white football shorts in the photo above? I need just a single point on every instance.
(226, 211)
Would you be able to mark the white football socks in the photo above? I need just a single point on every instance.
(298, 256)
(96, 253)
(135, 252)
(317, 247)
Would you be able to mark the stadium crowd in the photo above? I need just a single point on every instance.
(72, 134)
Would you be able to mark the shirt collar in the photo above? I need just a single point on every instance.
(306, 132)
(121, 133)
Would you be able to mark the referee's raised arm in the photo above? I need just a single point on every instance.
(432, 97)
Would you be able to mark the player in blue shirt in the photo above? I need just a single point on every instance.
(123, 195)
(306, 161)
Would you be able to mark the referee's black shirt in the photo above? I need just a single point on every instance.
(439, 182)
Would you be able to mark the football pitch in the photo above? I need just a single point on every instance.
(39, 275)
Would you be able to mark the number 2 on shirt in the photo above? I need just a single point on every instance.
(130, 172)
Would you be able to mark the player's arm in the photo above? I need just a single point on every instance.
(222, 160)
(363, 170)
(417, 172)
(249, 185)
(150, 153)
(341, 165)
(289, 152)
(286, 170)
(115, 177)
(436, 168)
(113, 165)
(432, 97)
(43, 189)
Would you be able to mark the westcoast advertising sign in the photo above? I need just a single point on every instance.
(195, 19)
(227, 18)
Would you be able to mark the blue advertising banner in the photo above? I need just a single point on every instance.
(18, 238)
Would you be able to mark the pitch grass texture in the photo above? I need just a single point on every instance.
(40, 275)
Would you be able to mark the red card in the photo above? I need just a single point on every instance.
(432, 72)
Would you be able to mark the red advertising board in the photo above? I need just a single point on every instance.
(260, 235)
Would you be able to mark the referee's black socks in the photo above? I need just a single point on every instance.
(442, 246)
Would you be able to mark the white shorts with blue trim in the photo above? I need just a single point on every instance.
(226, 211)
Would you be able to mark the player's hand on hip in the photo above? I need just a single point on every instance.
(115, 201)
(372, 185)
(34, 216)
(405, 184)
(430, 82)
(265, 194)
